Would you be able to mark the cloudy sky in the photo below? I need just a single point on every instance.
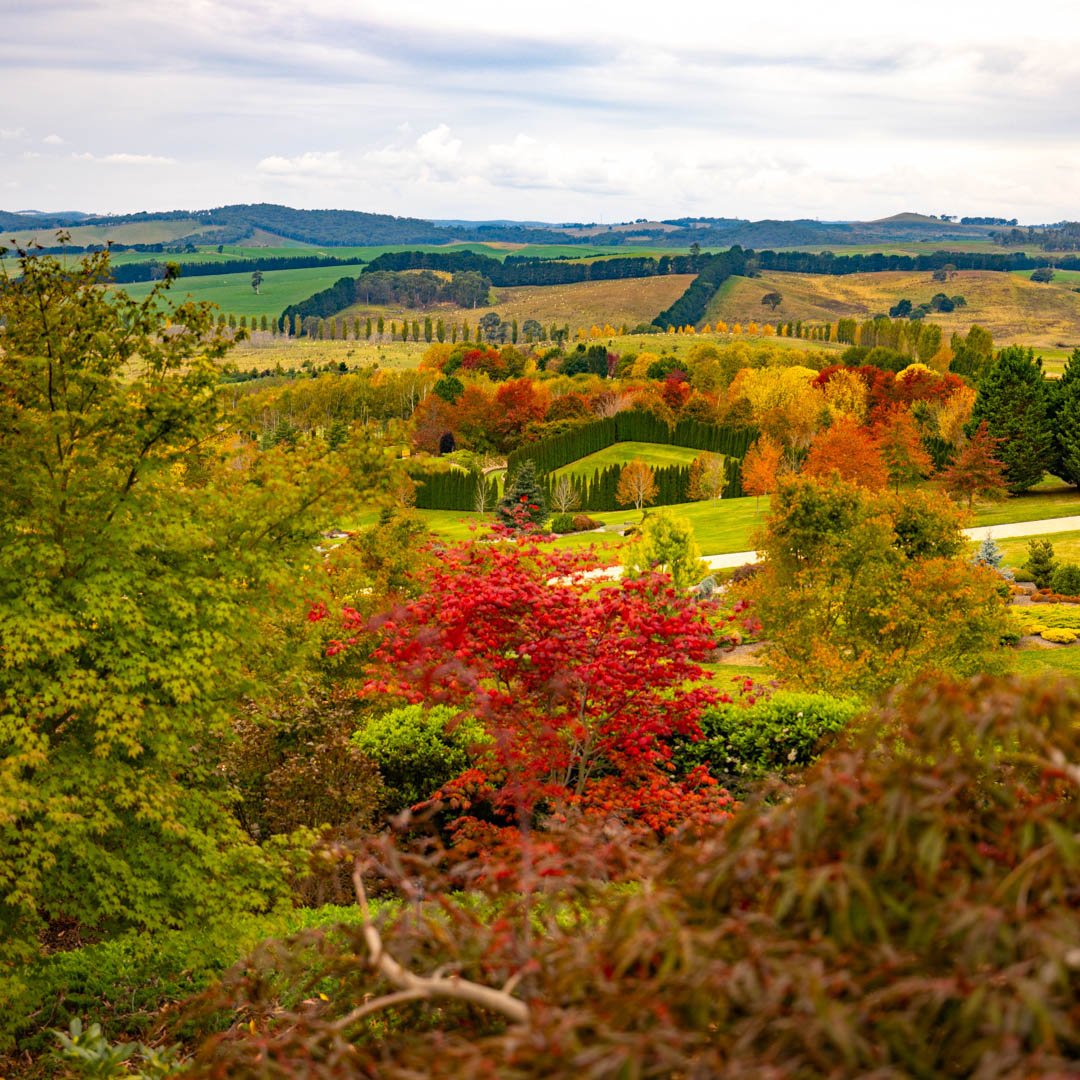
(558, 110)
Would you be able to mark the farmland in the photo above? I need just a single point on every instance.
(1011, 307)
(626, 301)
(233, 292)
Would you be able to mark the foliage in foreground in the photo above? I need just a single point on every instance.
(911, 911)
(143, 550)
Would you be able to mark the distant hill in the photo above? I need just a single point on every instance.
(267, 224)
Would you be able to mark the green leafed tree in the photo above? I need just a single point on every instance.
(1014, 401)
(666, 545)
(141, 551)
(1068, 420)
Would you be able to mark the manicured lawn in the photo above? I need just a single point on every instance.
(720, 526)
(1063, 660)
(1066, 548)
(654, 454)
(1058, 501)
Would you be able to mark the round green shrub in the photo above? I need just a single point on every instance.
(562, 523)
(418, 750)
(1065, 580)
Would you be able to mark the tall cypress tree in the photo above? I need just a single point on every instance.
(1068, 420)
(1014, 401)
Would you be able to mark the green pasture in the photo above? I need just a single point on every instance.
(233, 292)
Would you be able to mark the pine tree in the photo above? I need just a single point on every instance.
(523, 506)
(1068, 420)
(1013, 402)
(1041, 562)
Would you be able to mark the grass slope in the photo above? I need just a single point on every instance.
(1012, 308)
(654, 454)
(583, 304)
(233, 292)
(133, 232)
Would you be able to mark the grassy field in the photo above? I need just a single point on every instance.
(1013, 309)
(629, 301)
(654, 454)
(134, 232)
(264, 351)
(233, 292)
(1066, 548)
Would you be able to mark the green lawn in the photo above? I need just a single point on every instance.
(720, 526)
(1063, 660)
(1066, 548)
(1054, 502)
(654, 454)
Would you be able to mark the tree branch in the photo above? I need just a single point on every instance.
(418, 987)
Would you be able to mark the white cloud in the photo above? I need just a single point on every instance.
(311, 164)
(12, 133)
(53, 140)
(125, 159)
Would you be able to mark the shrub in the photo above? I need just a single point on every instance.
(1059, 637)
(563, 523)
(909, 911)
(417, 750)
(1041, 562)
(743, 573)
(1065, 580)
(583, 523)
(785, 732)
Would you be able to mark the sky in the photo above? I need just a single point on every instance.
(562, 110)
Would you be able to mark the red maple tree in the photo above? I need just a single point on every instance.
(580, 682)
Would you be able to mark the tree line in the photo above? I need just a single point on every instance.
(631, 425)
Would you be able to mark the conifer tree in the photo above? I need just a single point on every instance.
(1068, 420)
(1013, 401)
(523, 505)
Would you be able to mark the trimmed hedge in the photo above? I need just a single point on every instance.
(632, 426)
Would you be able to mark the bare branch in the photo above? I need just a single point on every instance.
(418, 987)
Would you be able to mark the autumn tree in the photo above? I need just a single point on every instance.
(666, 544)
(707, 477)
(977, 472)
(577, 687)
(902, 450)
(761, 468)
(143, 549)
(851, 452)
(637, 485)
(860, 590)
